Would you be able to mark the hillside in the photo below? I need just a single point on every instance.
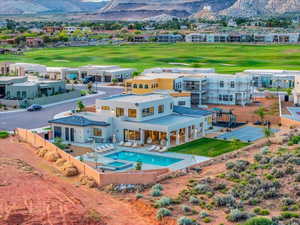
(41, 6)
(139, 9)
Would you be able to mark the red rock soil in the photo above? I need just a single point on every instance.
(32, 192)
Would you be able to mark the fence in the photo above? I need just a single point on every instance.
(130, 177)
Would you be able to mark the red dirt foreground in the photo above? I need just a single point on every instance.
(32, 192)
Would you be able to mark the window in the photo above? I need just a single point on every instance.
(146, 86)
(97, 132)
(220, 97)
(57, 132)
(232, 84)
(135, 86)
(24, 94)
(161, 108)
(140, 86)
(148, 111)
(119, 112)
(221, 84)
(132, 113)
(171, 106)
(104, 107)
(156, 85)
(181, 102)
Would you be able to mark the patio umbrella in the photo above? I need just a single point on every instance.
(114, 138)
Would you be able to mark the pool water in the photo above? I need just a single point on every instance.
(116, 164)
(144, 158)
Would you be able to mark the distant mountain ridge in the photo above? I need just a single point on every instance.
(41, 6)
(141, 9)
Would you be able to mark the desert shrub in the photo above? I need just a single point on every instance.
(69, 170)
(206, 220)
(42, 152)
(227, 200)
(229, 165)
(52, 156)
(194, 200)
(290, 170)
(163, 202)
(157, 187)
(259, 221)
(203, 214)
(287, 202)
(258, 157)
(163, 212)
(139, 196)
(289, 215)
(89, 181)
(186, 209)
(240, 165)
(233, 175)
(297, 177)
(277, 173)
(237, 215)
(253, 201)
(262, 212)
(202, 188)
(220, 186)
(295, 139)
(3, 134)
(185, 221)
(155, 193)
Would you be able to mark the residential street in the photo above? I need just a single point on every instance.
(30, 120)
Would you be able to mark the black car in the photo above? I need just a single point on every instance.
(34, 108)
(88, 79)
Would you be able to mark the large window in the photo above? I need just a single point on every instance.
(97, 132)
(221, 84)
(119, 112)
(132, 113)
(146, 86)
(131, 135)
(104, 107)
(181, 102)
(135, 86)
(148, 111)
(232, 84)
(57, 132)
(140, 86)
(161, 108)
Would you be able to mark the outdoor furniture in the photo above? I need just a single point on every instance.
(164, 149)
(157, 148)
(121, 143)
(152, 148)
(135, 145)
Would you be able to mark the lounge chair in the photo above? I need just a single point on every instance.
(164, 149)
(157, 148)
(135, 145)
(152, 148)
(121, 143)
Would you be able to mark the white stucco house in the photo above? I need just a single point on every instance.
(145, 119)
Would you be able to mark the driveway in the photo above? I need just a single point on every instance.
(31, 120)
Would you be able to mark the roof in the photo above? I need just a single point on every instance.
(132, 98)
(190, 111)
(78, 121)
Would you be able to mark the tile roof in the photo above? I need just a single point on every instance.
(78, 121)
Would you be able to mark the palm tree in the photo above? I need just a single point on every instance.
(80, 106)
(261, 112)
(268, 133)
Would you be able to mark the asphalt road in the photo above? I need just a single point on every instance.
(31, 120)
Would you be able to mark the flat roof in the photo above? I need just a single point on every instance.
(27, 83)
(9, 78)
(170, 120)
(132, 98)
(271, 71)
(77, 120)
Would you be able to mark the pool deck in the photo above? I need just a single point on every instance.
(293, 113)
(186, 160)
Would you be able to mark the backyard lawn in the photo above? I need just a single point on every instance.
(226, 58)
(208, 147)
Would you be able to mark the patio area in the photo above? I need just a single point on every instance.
(245, 134)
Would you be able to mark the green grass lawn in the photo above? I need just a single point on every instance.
(207, 147)
(226, 58)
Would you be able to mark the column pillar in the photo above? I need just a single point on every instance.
(186, 134)
(142, 137)
(177, 137)
(168, 139)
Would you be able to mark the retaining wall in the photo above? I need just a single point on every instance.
(130, 177)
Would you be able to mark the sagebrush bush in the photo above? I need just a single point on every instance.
(157, 187)
(163, 201)
(163, 212)
(202, 188)
(194, 200)
(237, 215)
(227, 200)
(185, 221)
(203, 214)
(155, 193)
(259, 221)
(139, 196)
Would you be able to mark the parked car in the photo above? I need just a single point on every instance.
(34, 107)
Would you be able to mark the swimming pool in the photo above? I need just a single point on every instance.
(144, 158)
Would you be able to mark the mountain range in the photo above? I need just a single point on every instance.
(141, 9)
(47, 6)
